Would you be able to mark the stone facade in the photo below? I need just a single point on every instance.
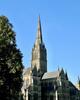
(42, 85)
(55, 85)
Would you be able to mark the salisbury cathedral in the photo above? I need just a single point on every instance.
(42, 85)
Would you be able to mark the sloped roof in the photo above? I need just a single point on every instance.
(27, 71)
(49, 75)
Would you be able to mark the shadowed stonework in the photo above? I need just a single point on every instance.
(42, 85)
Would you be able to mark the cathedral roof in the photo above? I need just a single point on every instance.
(49, 75)
(26, 71)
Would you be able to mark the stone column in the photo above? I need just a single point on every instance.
(39, 89)
(56, 95)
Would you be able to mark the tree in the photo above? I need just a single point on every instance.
(79, 82)
(11, 66)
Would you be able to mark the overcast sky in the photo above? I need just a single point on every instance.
(60, 20)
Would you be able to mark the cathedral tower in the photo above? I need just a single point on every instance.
(39, 54)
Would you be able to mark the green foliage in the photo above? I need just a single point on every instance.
(11, 66)
(7, 35)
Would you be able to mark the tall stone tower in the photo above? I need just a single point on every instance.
(38, 63)
(39, 54)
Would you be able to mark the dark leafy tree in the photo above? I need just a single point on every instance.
(11, 66)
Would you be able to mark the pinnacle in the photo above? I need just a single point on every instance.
(39, 32)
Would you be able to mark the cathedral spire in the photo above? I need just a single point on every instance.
(39, 52)
(39, 33)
